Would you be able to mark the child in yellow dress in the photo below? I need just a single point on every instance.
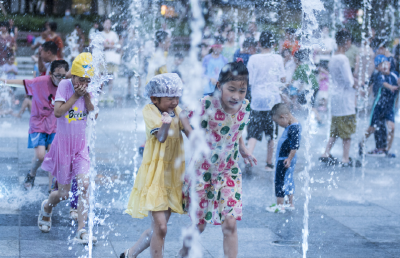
(158, 186)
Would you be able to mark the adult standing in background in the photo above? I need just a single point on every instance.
(7, 43)
(112, 55)
(13, 30)
(51, 35)
(229, 46)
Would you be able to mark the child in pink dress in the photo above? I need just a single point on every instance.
(69, 156)
(219, 179)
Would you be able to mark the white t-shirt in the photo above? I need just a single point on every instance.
(290, 67)
(343, 94)
(111, 37)
(265, 73)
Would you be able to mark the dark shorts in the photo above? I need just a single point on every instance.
(381, 114)
(40, 139)
(261, 122)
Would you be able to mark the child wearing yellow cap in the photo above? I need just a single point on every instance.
(68, 157)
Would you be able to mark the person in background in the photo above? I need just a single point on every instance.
(289, 64)
(93, 31)
(13, 30)
(229, 47)
(47, 54)
(68, 18)
(290, 42)
(51, 35)
(130, 58)
(352, 55)
(7, 43)
(324, 55)
(9, 68)
(212, 65)
(176, 68)
(380, 48)
(249, 48)
(158, 61)
(266, 75)
(112, 55)
(323, 82)
(343, 95)
(252, 32)
(81, 35)
(205, 50)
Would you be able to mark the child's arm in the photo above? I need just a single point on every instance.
(187, 128)
(247, 157)
(162, 134)
(389, 87)
(60, 107)
(88, 103)
(20, 82)
(289, 159)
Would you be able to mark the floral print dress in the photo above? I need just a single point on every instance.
(219, 179)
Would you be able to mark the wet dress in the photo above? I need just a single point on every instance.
(158, 185)
(219, 179)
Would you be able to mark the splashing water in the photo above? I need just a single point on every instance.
(191, 234)
(94, 89)
(309, 26)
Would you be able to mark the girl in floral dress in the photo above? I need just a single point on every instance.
(219, 179)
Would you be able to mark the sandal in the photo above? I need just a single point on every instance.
(276, 208)
(44, 226)
(29, 180)
(328, 160)
(125, 254)
(82, 237)
(269, 167)
(73, 214)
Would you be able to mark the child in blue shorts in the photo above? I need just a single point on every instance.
(286, 157)
(382, 114)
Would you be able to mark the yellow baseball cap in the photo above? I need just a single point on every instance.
(82, 65)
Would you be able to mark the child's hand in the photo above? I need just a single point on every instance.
(287, 162)
(393, 88)
(165, 118)
(247, 157)
(80, 90)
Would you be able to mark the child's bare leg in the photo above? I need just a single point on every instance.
(280, 200)
(83, 203)
(159, 225)
(144, 241)
(329, 146)
(368, 133)
(56, 197)
(291, 200)
(270, 150)
(390, 126)
(229, 230)
(37, 160)
(184, 252)
(25, 104)
(346, 150)
(251, 144)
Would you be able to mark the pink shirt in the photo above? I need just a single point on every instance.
(43, 93)
(73, 122)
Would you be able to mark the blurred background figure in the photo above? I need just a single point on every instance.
(92, 32)
(13, 30)
(7, 43)
(130, 58)
(324, 55)
(51, 35)
(112, 54)
(230, 46)
(249, 47)
(290, 42)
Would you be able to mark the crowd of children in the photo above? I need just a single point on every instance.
(251, 87)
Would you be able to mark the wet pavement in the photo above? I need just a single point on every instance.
(353, 211)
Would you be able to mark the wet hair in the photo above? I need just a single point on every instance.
(5, 24)
(53, 26)
(302, 55)
(234, 71)
(342, 36)
(279, 109)
(219, 40)
(179, 55)
(378, 42)
(249, 42)
(50, 46)
(78, 25)
(267, 39)
(160, 36)
(290, 30)
(59, 64)
(285, 50)
(10, 54)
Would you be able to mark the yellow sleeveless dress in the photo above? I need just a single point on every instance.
(158, 184)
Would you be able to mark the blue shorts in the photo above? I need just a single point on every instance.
(40, 139)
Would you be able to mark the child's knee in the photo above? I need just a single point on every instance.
(162, 229)
(229, 226)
